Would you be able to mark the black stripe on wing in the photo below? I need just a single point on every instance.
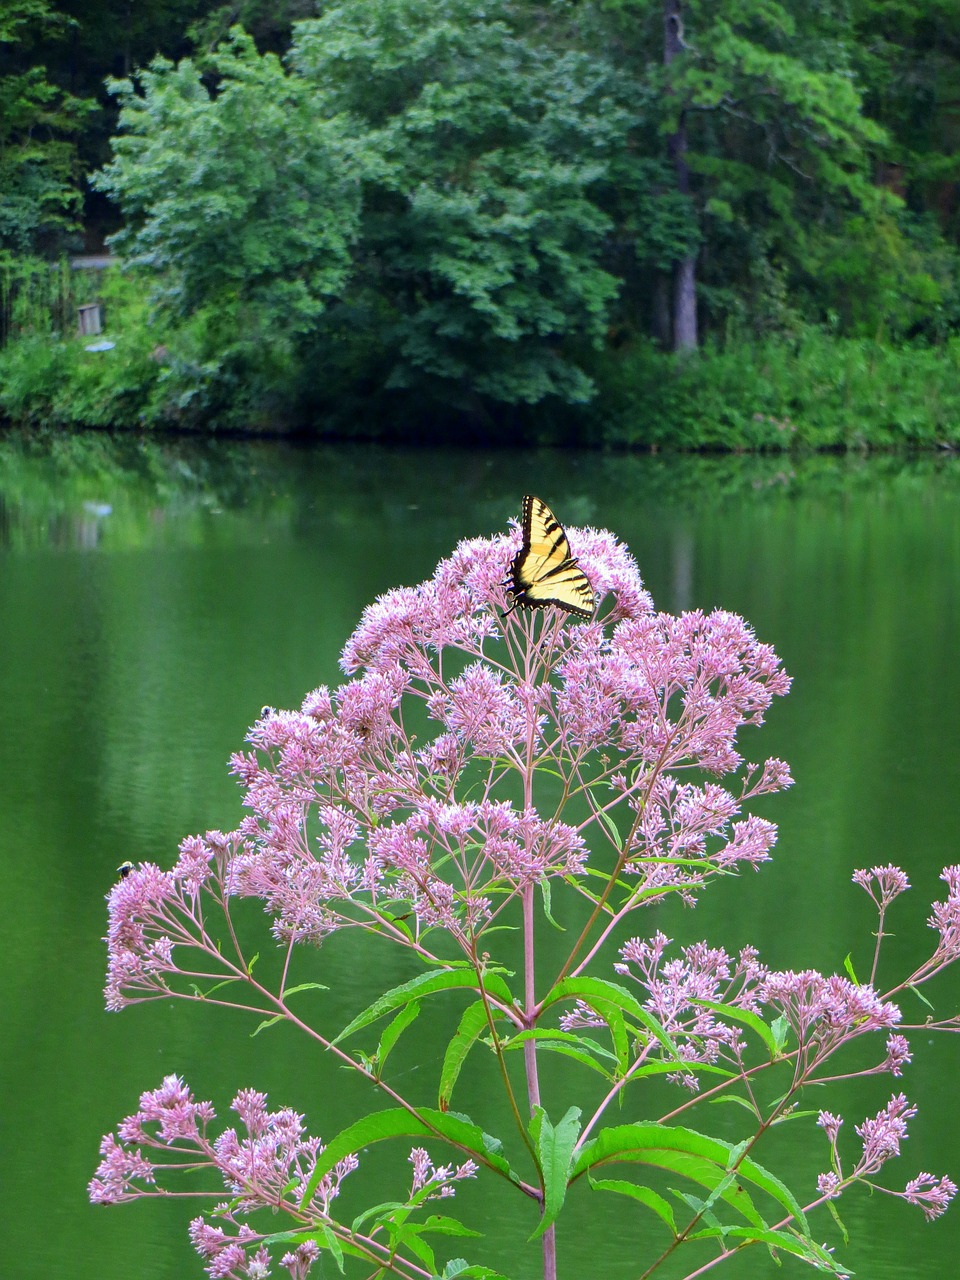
(543, 570)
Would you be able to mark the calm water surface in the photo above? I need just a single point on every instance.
(154, 597)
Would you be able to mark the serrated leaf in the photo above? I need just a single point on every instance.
(612, 829)
(733, 1097)
(589, 990)
(546, 894)
(799, 1246)
(323, 1236)
(780, 1029)
(747, 1019)
(460, 1267)
(443, 1225)
(395, 1122)
(667, 1068)
(395, 1029)
(408, 1237)
(566, 1043)
(472, 1024)
(701, 1210)
(377, 1212)
(835, 1214)
(696, 1156)
(425, 984)
(920, 996)
(267, 1022)
(305, 986)
(554, 1150)
(561, 1037)
(645, 1195)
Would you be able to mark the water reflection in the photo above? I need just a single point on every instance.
(155, 594)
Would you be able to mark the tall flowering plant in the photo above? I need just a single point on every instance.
(473, 771)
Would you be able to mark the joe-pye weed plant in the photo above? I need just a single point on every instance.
(477, 781)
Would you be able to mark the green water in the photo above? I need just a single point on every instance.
(153, 598)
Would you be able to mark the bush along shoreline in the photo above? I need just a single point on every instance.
(807, 390)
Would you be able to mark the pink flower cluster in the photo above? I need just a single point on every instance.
(470, 755)
(427, 783)
(435, 1182)
(823, 1012)
(269, 1165)
(881, 1137)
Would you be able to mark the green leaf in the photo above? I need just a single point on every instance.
(408, 1237)
(793, 1115)
(748, 1019)
(580, 1048)
(333, 1244)
(305, 986)
(442, 1225)
(323, 1236)
(848, 965)
(719, 209)
(780, 1029)
(472, 1024)
(645, 1195)
(395, 1029)
(563, 1037)
(205, 995)
(554, 1148)
(835, 1214)
(701, 1210)
(733, 1097)
(920, 996)
(396, 1122)
(378, 1213)
(426, 984)
(799, 1246)
(700, 1158)
(546, 893)
(268, 1022)
(612, 828)
(459, 1267)
(591, 990)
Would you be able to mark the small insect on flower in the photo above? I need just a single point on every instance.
(124, 869)
(543, 570)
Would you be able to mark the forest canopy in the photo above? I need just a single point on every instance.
(483, 204)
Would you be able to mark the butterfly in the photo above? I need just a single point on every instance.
(543, 570)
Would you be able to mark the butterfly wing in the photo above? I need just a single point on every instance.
(543, 571)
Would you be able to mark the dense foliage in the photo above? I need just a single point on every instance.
(431, 212)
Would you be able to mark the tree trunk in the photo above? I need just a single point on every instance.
(685, 271)
(662, 310)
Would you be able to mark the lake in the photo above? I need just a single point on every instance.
(154, 595)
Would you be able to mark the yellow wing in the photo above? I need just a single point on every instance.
(543, 571)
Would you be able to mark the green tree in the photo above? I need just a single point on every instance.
(762, 121)
(424, 184)
(907, 54)
(483, 234)
(242, 202)
(39, 192)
